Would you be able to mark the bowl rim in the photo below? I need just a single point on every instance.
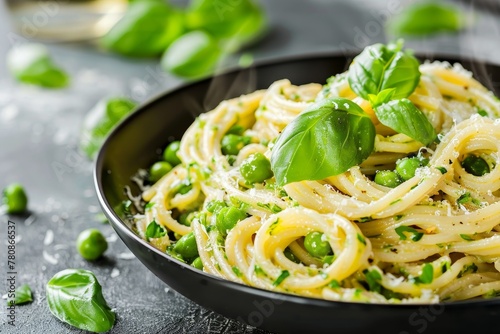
(118, 223)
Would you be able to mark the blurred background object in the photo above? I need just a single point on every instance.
(41, 129)
(58, 20)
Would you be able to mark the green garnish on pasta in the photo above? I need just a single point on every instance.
(355, 190)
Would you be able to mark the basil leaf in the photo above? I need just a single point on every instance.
(381, 98)
(31, 64)
(154, 230)
(75, 296)
(22, 294)
(379, 67)
(146, 29)
(427, 18)
(403, 117)
(327, 139)
(100, 121)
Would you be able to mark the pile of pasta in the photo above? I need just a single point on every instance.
(456, 214)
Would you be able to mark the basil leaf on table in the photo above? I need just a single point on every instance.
(101, 120)
(147, 29)
(403, 117)
(75, 296)
(379, 67)
(23, 295)
(327, 139)
(426, 18)
(32, 64)
(239, 21)
(192, 55)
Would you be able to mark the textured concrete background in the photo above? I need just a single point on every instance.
(38, 147)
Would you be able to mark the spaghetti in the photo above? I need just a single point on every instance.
(433, 237)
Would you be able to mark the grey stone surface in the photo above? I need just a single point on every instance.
(39, 134)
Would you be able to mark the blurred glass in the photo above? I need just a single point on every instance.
(64, 20)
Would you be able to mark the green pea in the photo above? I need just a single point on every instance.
(289, 255)
(256, 168)
(183, 188)
(236, 130)
(231, 144)
(475, 165)
(91, 244)
(197, 263)
(406, 167)
(192, 55)
(228, 217)
(387, 178)
(170, 153)
(159, 169)
(15, 199)
(186, 246)
(316, 246)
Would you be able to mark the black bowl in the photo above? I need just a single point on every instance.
(137, 142)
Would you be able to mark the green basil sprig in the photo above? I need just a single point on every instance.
(379, 67)
(335, 134)
(385, 76)
(327, 139)
(75, 296)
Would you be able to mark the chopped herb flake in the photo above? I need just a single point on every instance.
(482, 112)
(415, 235)
(470, 268)
(284, 274)
(271, 207)
(237, 271)
(466, 237)
(427, 275)
(492, 294)
(273, 226)
(442, 170)
(361, 239)
(373, 279)
(365, 219)
(259, 271)
(334, 284)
